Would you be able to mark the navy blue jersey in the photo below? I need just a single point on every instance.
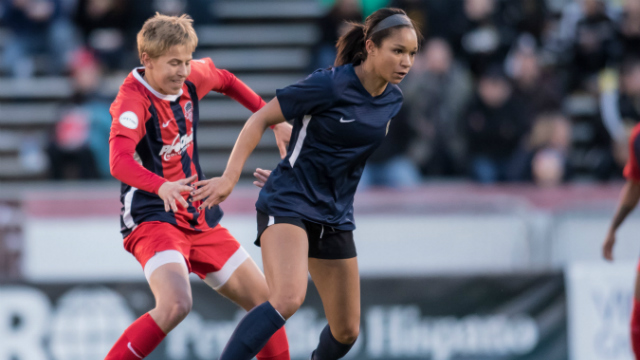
(337, 126)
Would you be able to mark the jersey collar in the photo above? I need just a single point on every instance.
(136, 74)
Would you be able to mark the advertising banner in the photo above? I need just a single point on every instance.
(600, 298)
(415, 318)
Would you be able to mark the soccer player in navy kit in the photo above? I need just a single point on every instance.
(628, 201)
(305, 209)
(153, 151)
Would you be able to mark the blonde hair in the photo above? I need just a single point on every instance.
(161, 32)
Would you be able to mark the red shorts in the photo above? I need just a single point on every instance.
(204, 251)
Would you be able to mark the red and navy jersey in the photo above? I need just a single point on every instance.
(632, 168)
(164, 128)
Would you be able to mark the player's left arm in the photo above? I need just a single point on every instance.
(208, 77)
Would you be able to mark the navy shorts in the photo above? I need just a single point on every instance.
(325, 242)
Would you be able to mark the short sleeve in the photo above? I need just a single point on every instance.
(310, 96)
(631, 169)
(128, 116)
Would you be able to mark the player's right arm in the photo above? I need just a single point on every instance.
(628, 197)
(129, 115)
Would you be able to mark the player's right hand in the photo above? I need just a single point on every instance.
(607, 246)
(172, 191)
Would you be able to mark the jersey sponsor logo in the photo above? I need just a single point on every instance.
(344, 121)
(164, 125)
(179, 145)
(188, 111)
(129, 119)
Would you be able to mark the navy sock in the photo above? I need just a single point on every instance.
(329, 348)
(252, 333)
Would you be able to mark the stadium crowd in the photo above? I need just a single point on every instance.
(501, 90)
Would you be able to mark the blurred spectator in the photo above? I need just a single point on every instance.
(79, 148)
(535, 89)
(629, 29)
(417, 10)
(103, 24)
(442, 17)
(526, 16)
(548, 147)
(36, 27)
(593, 46)
(436, 92)
(389, 166)
(482, 37)
(332, 25)
(591, 154)
(621, 106)
(495, 131)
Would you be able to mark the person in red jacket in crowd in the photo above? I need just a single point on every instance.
(154, 153)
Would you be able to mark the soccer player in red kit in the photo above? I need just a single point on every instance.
(628, 201)
(154, 152)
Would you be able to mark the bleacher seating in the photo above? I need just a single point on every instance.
(267, 44)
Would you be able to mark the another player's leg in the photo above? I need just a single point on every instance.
(169, 283)
(635, 318)
(338, 283)
(284, 253)
(247, 287)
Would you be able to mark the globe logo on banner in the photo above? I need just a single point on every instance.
(87, 322)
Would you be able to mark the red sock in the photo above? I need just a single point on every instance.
(138, 340)
(277, 348)
(635, 328)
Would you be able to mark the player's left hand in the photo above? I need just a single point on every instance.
(282, 131)
(214, 190)
(261, 175)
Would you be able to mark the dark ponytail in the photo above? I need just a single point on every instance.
(351, 45)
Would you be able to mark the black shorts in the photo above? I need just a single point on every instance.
(324, 241)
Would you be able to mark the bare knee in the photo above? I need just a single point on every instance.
(176, 310)
(347, 334)
(287, 304)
